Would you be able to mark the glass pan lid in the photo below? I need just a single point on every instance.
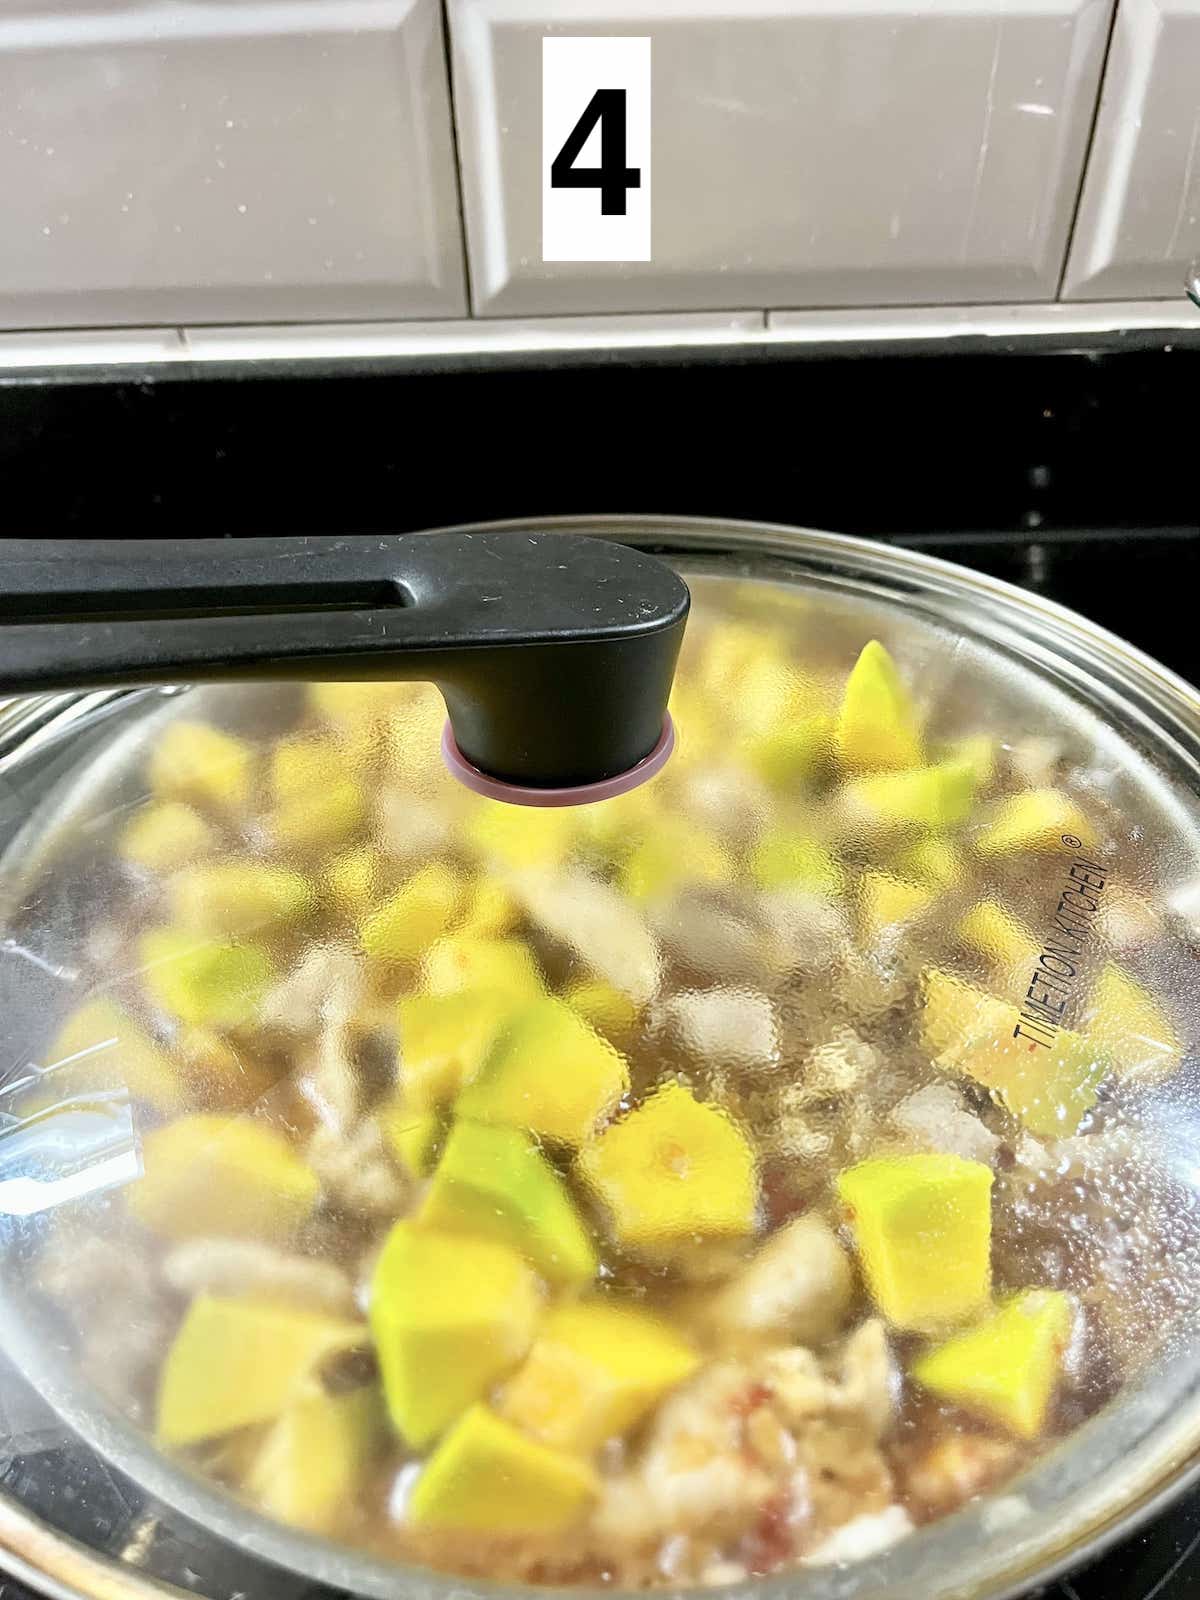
(365, 1144)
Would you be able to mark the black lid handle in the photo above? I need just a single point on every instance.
(555, 652)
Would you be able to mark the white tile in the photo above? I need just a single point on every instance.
(805, 152)
(1139, 218)
(226, 160)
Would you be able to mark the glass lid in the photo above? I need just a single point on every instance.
(762, 1174)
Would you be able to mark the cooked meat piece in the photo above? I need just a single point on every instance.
(244, 1266)
(861, 1537)
(805, 932)
(723, 1026)
(712, 934)
(693, 1471)
(731, 802)
(603, 928)
(797, 1287)
(356, 1171)
(936, 1118)
(325, 986)
(411, 829)
(870, 1383)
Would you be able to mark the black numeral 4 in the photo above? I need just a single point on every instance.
(612, 177)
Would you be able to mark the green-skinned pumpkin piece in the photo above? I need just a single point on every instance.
(223, 1176)
(998, 936)
(886, 902)
(1007, 1368)
(203, 766)
(235, 898)
(1132, 1028)
(933, 860)
(673, 1170)
(471, 961)
(923, 1228)
(413, 918)
(1039, 819)
(602, 1006)
(669, 853)
(166, 834)
(412, 1136)
(1049, 1078)
(237, 1362)
(877, 727)
(488, 1477)
(203, 981)
(311, 1466)
(494, 1182)
(595, 1370)
(798, 753)
(450, 1316)
(444, 1041)
(887, 803)
(547, 1072)
(787, 857)
(100, 1047)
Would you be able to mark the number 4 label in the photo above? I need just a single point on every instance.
(595, 149)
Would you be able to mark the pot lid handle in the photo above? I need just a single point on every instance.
(554, 652)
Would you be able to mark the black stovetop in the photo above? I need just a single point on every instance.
(1068, 473)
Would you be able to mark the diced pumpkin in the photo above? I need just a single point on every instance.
(923, 1228)
(415, 917)
(166, 834)
(226, 1176)
(1049, 1087)
(353, 881)
(933, 860)
(797, 753)
(495, 1183)
(412, 1136)
(748, 672)
(463, 961)
(303, 766)
(450, 1316)
(344, 704)
(237, 1362)
(998, 936)
(1007, 1367)
(887, 902)
(547, 1072)
(673, 1170)
(202, 766)
(488, 908)
(595, 1370)
(670, 853)
(602, 1006)
(787, 857)
(445, 1039)
(309, 1469)
(320, 819)
(1039, 819)
(204, 981)
(487, 1477)
(234, 898)
(1132, 1028)
(220, 1074)
(877, 726)
(521, 836)
(978, 750)
(99, 1046)
(921, 797)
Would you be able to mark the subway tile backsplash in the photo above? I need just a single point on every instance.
(376, 162)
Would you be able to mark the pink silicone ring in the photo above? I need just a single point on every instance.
(581, 794)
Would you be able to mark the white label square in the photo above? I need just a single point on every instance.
(595, 99)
